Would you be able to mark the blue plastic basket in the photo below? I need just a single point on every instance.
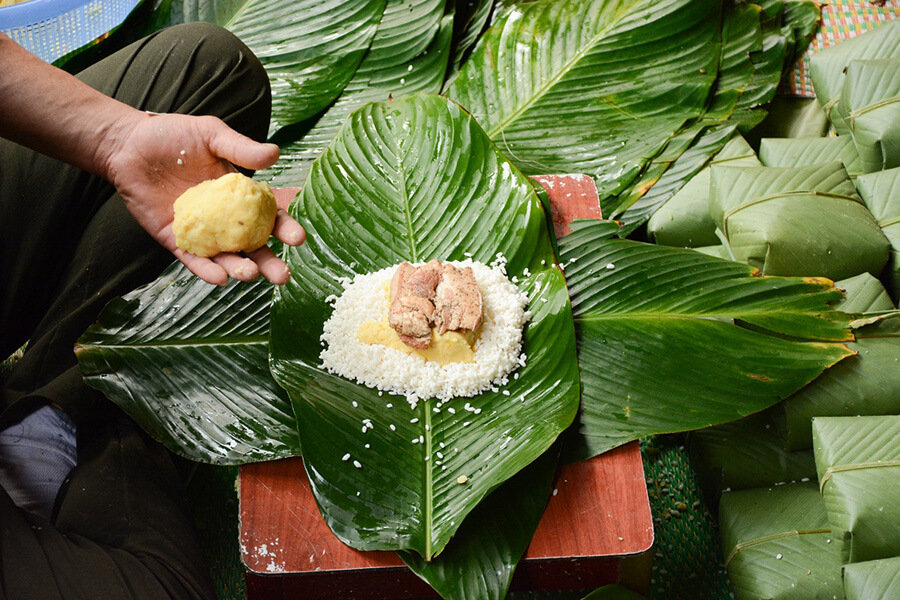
(52, 29)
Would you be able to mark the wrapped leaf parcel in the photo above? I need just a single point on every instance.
(867, 383)
(802, 152)
(746, 454)
(872, 580)
(881, 193)
(778, 544)
(684, 220)
(870, 106)
(858, 461)
(806, 221)
(864, 294)
(828, 68)
(417, 179)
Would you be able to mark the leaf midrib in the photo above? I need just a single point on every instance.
(709, 316)
(540, 92)
(176, 343)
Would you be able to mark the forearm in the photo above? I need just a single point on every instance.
(52, 112)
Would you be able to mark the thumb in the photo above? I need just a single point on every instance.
(238, 149)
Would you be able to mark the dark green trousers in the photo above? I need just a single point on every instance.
(120, 528)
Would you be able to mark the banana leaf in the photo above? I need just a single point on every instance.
(867, 383)
(778, 544)
(640, 307)
(480, 559)
(858, 461)
(309, 48)
(574, 86)
(745, 454)
(408, 54)
(872, 580)
(470, 19)
(881, 193)
(754, 46)
(870, 105)
(864, 294)
(796, 221)
(416, 179)
(188, 361)
(684, 220)
(828, 67)
(802, 152)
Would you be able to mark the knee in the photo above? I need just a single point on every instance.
(226, 78)
(212, 44)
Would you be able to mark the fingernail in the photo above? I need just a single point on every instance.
(296, 237)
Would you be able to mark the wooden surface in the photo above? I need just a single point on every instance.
(599, 511)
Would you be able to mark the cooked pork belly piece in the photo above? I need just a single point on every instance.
(457, 303)
(412, 310)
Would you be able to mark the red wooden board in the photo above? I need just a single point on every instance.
(598, 514)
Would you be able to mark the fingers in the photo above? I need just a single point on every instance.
(203, 268)
(271, 267)
(288, 230)
(237, 267)
(238, 149)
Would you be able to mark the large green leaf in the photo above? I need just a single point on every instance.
(778, 545)
(416, 179)
(796, 221)
(754, 45)
(310, 48)
(409, 54)
(858, 461)
(480, 559)
(594, 87)
(642, 309)
(872, 580)
(189, 362)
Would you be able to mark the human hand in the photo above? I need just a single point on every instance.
(154, 160)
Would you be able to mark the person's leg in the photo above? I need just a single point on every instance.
(121, 530)
(57, 271)
(68, 246)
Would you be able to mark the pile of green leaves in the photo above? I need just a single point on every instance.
(814, 206)
(636, 339)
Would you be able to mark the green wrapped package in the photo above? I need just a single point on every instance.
(858, 462)
(802, 152)
(881, 193)
(778, 544)
(873, 580)
(870, 106)
(684, 219)
(827, 67)
(865, 384)
(745, 454)
(862, 294)
(804, 221)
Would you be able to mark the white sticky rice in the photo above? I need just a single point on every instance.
(497, 352)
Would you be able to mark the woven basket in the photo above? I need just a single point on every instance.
(53, 29)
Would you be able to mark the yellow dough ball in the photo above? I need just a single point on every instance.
(230, 214)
